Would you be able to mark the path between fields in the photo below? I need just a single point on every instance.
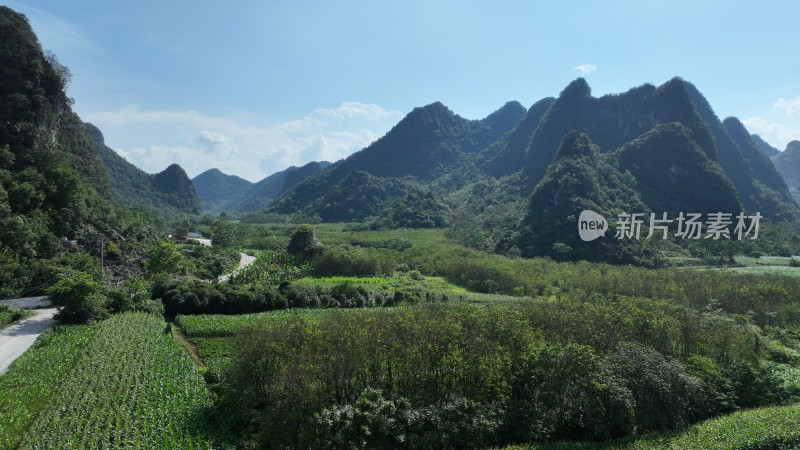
(244, 261)
(17, 338)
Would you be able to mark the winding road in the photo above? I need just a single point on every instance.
(244, 261)
(17, 338)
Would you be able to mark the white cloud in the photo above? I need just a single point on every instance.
(586, 69)
(777, 134)
(153, 139)
(789, 107)
(215, 143)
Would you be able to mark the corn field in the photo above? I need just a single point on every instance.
(134, 388)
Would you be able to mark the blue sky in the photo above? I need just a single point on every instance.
(251, 87)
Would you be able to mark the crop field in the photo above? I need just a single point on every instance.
(130, 387)
(35, 376)
(781, 270)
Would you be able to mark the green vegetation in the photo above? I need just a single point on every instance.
(34, 378)
(79, 299)
(53, 184)
(132, 384)
(11, 315)
(304, 244)
(170, 193)
(500, 372)
(580, 178)
(420, 326)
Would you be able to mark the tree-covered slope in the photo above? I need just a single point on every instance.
(507, 154)
(176, 189)
(261, 194)
(217, 189)
(134, 187)
(764, 146)
(758, 187)
(674, 175)
(611, 121)
(430, 142)
(787, 163)
(581, 178)
(53, 183)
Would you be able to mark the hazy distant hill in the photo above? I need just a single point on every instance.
(222, 192)
(216, 189)
(787, 163)
(170, 190)
(764, 146)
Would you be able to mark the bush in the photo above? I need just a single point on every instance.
(197, 297)
(352, 261)
(79, 299)
(133, 296)
(375, 421)
(755, 385)
(665, 396)
(304, 244)
(560, 392)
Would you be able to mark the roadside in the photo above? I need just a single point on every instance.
(206, 242)
(17, 338)
(27, 303)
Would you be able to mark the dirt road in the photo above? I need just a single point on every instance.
(17, 338)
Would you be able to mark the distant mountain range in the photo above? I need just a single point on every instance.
(517, 178)
(220, 192)
(668, 137)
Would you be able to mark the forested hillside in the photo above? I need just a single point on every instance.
(53, 184)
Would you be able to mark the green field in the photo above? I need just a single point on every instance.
(37, 375)
(122, 383)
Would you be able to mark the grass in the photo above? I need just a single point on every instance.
(11, 315)
(397, 282)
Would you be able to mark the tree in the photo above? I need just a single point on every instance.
(304, 243)
(223, 232)
(79, 299)
(166, 258)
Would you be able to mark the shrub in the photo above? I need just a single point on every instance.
(755, 384)
(352, 261)
(665, 395)
(133, 296)
(79, 299)
(559, 392)
(374, 421)
(304, 244)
